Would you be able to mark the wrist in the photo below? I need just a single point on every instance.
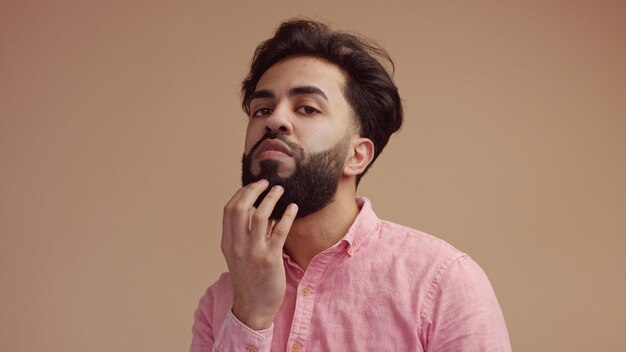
(254, 321)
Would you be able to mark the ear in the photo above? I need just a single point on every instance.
(360, 155)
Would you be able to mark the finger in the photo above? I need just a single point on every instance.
(226, 220)
(240, 217)
(281, 230)
(241, 191)
(250, 217)
(230, 208)
(270, 222)
(270, 226)
(261, 215)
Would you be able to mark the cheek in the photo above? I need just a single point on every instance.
(251, 138)
(321, 140)
(247, 145)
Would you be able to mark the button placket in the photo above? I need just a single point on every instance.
(305, 301)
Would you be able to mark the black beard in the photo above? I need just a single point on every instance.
(313, 183)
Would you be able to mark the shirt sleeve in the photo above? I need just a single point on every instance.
(233, 335)
(462, 313)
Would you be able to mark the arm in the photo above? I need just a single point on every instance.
(232, 336)
(252, 246)
(462, 312)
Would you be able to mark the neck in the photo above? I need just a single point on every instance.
(319, 231)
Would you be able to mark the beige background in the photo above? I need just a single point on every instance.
(121, 135)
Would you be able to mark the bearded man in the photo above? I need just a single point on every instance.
(311, 267)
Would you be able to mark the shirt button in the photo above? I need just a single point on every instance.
(306, 291)
(251, 349)
(295, 347)
(350, 250)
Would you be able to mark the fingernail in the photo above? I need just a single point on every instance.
(277, 188)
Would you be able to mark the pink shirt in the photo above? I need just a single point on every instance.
(383, 287)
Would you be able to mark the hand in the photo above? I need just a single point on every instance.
(252, 245)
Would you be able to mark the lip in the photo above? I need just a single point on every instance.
(274, 147)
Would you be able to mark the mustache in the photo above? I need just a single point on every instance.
(295, 148)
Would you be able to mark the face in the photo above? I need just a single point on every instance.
(299, 132)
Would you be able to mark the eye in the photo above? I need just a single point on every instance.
(261, 112)
(307, 110)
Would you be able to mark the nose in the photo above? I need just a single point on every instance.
(280, 120)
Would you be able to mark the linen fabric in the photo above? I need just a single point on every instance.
(382, 287)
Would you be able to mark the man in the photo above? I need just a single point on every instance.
(311, 267)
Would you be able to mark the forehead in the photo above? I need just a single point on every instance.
(304, 71)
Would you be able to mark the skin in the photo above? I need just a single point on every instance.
(252, 243)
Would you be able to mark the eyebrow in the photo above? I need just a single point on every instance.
(306, 90)
(300, 90)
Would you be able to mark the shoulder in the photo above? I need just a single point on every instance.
(219, 290)
(441, 261)
(398, 238)
(419, 259)
(455, 292)
(217, 298)
(211, 312)
(428, 260)
(416, 244)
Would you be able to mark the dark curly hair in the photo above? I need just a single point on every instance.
(369, 90)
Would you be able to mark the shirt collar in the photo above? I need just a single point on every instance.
(362, 227)
(360, 230)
